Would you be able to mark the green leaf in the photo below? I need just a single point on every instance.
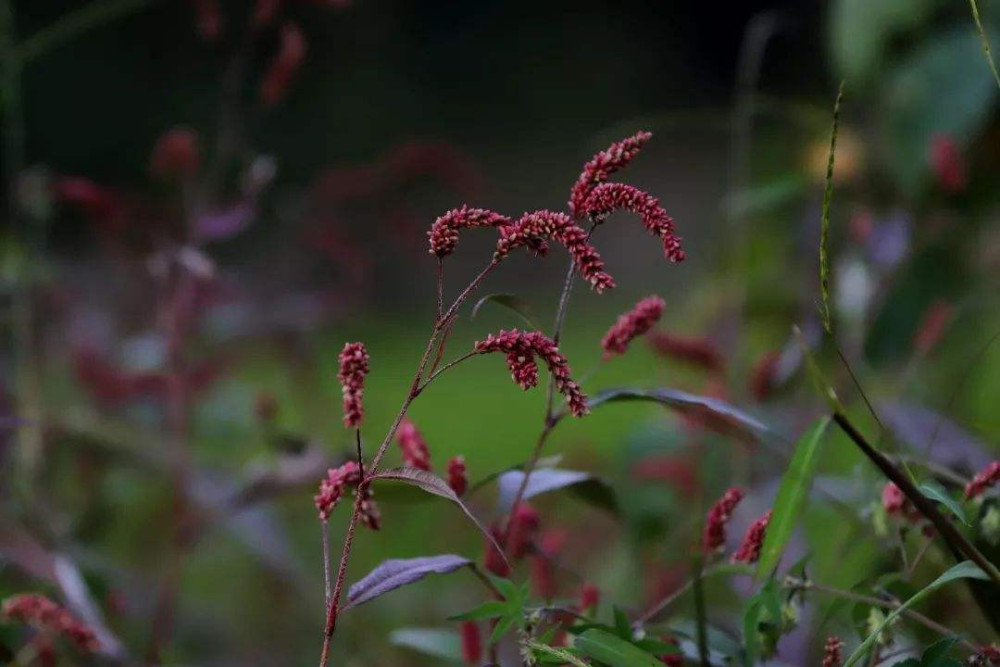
(613, 651)
(502, 628)
(792, 495)
(766, 599)
(442, 644)
(936, 654)
(861, 32)
(964, 570)
(824, 238)
(488, 609)
(622, 627)
(935, 491)
(511, 302)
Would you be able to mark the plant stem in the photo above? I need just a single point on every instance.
(327, 588)
(75, 23)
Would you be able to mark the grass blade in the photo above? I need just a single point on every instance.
(824, 240)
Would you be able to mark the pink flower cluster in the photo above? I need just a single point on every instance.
(414, 447)
(753, 541)
(983, 480)
(719, 515)
(50, 617)
(521, 348)
(532, 229)
(609, 197)
(457, 479)
(600, 168)
(832, 652)
(632, 324)
(334, 485)
(353, 362)
(444, 232)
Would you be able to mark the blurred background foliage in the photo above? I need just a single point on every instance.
(305, 224)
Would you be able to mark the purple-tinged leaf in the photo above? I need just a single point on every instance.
(711, 413)
(588, 487)
(396, 572)
(434, 485)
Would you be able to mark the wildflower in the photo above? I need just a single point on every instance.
(523, 369)
(524, 522)
(493, 561)
(543, 573)
(175, 154)
(457, 479)
(600, 168)
(983, 480)
(368, 511)
(444, 232)
(535, 344)
(893, 499)
(50, 617)
(415, 452)
(632, 324)
(832, 652)
(946, 162)
(699, 352)
(472, 643)
(753, 540)
(609, 197)
(333, 486)
(291, 54)
(531, 229)
(763, 375)
(353, 362)
(718, 516)
(590, 597)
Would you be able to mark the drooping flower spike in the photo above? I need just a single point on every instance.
(983, 480)
(535, 344)
(699, 352)
(609, 197)
(414, 447)
(631, 325)
(353, 362)
(753, 541)
(443, 233)
(333, 486)
(832, 652)
(600, 167)
(49, 617)
(532, 229)
(457, 476)
(718, 516)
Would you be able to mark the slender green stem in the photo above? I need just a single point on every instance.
(985, 41)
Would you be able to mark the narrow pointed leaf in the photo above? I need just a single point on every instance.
(396, 572)
(824, 242)
(488, 609)
(434, 485)
(791, 498)
(588, 487)
(512, 302)
(964, 570)
(613, 651)
(935, 491)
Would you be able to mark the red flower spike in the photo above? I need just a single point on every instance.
(600, 168)
(175, 154)
(353, 362)
(749, 551)
(983, 480)
(50, 617)
(368, 512)
(532, 229)
(948, 165)
(414, 447)
(832, 652)
(699, 352)
(719, 515)
(333, 486)
(590, 597)
(525, 521)
(543, 571)
(610, 197)
(631, 325)
(762, 377)
(457, 478)
(472, 643)
(291, 54)
(493, 561)
(535, 344)
(443, 234)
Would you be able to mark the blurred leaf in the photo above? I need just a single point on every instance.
(936, 655)
(712, 413)
(791, 498)
(964, 570)
(767, 196)
(766, 599)
(396, 572)
(502, 627)
(488, 609)
(935, 491)
(613, 651)
(941, 69)
(861, 30)
(824, 241)
(441, 644)
(434, 485)
(984, 40)
(511, 302)
(914, 425)
(591, 489)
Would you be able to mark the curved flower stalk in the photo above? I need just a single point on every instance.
(532, 229)
(600, 168)
(535, 344)
(443, 233)
(609, 197)
(631, 325)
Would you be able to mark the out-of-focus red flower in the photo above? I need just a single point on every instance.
(105, 208)
(947, 164)
(289, 58)
(208, 19)
(524, 523)
(678, 471)
(264, 12)
(719, 515)
(543, 571)
(762, 377)
(590, 597)
(753, 541)
(457, 477)
(472, 643)
(176, 154)
(983, 480)
(411, 442)
(700, 352)
(493, 561)
(632, 324)
(47, 616)
(933, 326)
